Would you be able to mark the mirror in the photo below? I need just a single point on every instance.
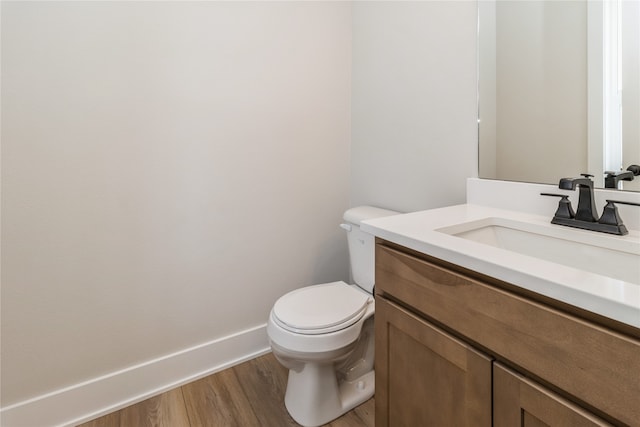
(558, 89)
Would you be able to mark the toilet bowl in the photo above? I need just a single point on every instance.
(324, 334)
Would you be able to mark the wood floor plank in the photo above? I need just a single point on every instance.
(248, 395)
(367, 412)
(218, 401)
(264, 382)
(109, 420)
(165, 410)
(361, 416)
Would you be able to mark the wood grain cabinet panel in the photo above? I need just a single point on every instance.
(583, 361)
(519, 401)
(426, 377)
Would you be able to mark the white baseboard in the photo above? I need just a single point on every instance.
(99, 396)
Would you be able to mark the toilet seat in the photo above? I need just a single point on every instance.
(320, 309)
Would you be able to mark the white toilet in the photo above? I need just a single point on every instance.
(324, 334)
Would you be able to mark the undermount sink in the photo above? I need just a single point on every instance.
(610, 256)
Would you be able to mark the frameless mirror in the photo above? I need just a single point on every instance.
(559, 89)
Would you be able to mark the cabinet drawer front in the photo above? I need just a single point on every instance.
(597, 367)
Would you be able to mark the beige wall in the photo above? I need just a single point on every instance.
(487, 142)
(543, 138)
(414, 115)
(631, 89)
(539, 120)
(168, 170)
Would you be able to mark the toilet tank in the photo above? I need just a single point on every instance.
(362, 245)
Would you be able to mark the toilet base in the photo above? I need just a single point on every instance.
(314, 396)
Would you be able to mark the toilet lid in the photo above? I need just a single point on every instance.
(320, 309)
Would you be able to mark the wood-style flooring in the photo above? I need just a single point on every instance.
(246, 395)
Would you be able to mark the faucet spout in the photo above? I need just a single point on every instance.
(586, 210)
(612, 179)
(572, 183)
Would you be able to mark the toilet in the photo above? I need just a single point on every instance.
(324, 334)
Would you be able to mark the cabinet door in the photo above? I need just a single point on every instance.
(426, 377)
(518, 401)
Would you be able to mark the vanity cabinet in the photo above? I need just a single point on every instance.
(457, 348)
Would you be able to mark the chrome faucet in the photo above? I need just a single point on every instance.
(586, 215)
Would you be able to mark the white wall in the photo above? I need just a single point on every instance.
(168, 170)
(414, 116)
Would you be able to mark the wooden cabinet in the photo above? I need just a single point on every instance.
(426, 377)
(518, 401)
(438, 327)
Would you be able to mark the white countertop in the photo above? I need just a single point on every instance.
(612, 298)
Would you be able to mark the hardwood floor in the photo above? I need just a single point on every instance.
(246, 395)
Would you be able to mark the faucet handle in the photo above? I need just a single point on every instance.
(586, 175)
(565, 210)
(635, 169)
(610, 215)
(623, 203)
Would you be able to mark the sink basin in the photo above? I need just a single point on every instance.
(611, 256)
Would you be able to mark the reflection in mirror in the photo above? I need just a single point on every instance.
(559, 89)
